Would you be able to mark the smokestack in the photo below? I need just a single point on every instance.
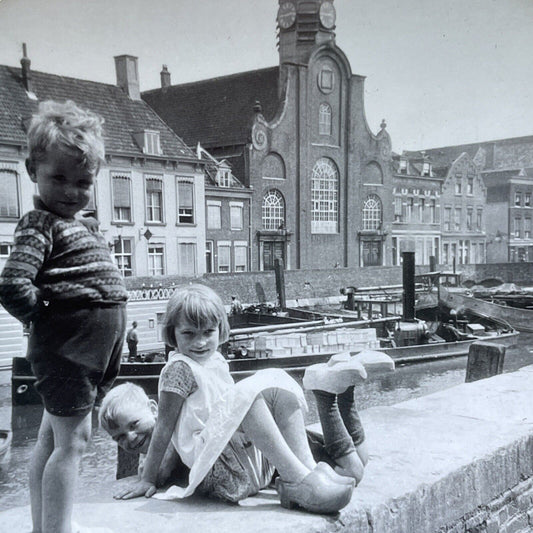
(408, 286)
(128, 75)
(26, 72)
(165, 77)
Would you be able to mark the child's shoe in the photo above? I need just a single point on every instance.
(316, 493)
(375, 361)
(337, 477)
(335, 376)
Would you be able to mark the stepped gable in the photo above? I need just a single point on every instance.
(217, 111)
(123, 116)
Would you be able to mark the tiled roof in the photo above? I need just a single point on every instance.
(123, 116)
(218, 111)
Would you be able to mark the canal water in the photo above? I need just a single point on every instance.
(99, 462)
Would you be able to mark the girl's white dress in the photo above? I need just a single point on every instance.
(212, 414)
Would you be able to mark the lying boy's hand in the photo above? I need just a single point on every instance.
(136, 489)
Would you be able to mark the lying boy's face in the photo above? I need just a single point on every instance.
(133, 427)
(65, 186)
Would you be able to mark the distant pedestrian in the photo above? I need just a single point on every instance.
(236, 306)
(132, 338)
(61, 278)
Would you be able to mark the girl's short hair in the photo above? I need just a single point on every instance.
(67, 126)
(198, 304)
(116, 399)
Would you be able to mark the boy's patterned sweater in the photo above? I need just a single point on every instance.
(57, 259)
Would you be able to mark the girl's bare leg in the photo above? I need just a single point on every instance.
(289, 417)
(261, 428)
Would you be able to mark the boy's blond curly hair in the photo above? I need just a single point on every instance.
(65, 125)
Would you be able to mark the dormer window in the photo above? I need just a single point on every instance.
(223, 177)
(149, 142)
(426, 169)
(403, 166)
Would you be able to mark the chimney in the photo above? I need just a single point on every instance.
(26, 72)
(165, 77)
(128, 75)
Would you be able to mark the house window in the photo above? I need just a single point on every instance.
(154, 199)
(469, 218)
(236, 216)
(223, 177)
(458, 184)
(447, 218)
(224, 256)
(457, 219)
(209, 256)
(398, 209)
(5, 249)
(517, 199)
(527, 199)
(422, 212)
(324, 119)
(187, 258)
(151, 143)
(240, 255)
(214, 215)
(517, 224)
(445, 254)
(527, 228)
(426, 169)
(185, 202)
(470, 185)
(324, 196)
(372, 213)
(123, 256)
(409, 208)
(273, 210)
(432, 212)
(160, 318)
(121, 198)
(403, 166)
(9, 194)
(156, 260)
(395, 251)
(479, 219)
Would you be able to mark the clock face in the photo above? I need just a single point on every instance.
(327, 15)
(286, 15)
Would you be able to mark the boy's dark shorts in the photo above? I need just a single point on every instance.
(75, 354)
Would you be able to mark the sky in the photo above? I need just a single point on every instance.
(441, 72)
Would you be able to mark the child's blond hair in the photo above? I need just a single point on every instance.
(116, 399)
(198, 304)
(67, 126)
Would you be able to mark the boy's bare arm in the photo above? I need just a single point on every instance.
(18, 294)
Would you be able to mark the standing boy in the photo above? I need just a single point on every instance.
(60, 277)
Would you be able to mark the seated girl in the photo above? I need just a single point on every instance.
(232, 436)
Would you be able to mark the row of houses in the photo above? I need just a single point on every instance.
(231, 173)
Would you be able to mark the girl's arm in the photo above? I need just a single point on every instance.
(169, 409)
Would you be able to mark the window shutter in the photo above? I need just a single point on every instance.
(121, 191)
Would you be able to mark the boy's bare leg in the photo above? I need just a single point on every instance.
(71, 434)
(42, 451)
(261, 428)
(289, 417)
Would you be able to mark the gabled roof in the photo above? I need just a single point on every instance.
(218, 111)
(123, 116)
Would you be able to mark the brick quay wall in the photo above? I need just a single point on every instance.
(456, 461)
(257, 287)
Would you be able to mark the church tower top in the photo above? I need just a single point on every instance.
(302, 24)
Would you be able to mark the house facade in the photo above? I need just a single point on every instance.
(149, 195)
(296, 134)
(505, 167)
(417, 217)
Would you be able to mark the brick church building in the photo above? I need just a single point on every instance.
(297, 135)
